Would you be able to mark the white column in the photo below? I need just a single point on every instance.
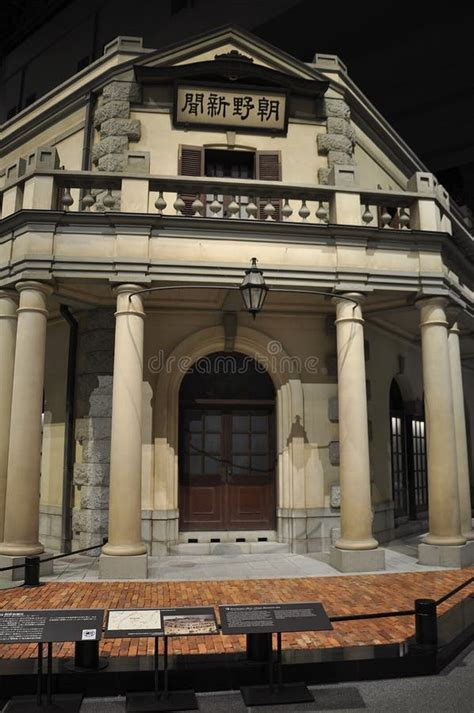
(21, 530)
(460, 431)
(8, 318)
(443, 493)
(125, 537)
(354, 469)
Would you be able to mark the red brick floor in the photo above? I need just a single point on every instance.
(340, 595)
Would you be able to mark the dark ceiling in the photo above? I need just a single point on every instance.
(411, 60)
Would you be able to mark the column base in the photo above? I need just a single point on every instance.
(123, 566)
(455, 556)
(18, 575)
(357, 560)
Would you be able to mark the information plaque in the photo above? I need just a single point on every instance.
(270, 618)
(183, 621)
(50, 625)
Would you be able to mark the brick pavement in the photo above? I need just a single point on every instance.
(340, 595)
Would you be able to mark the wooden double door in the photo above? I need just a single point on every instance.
(227, 466)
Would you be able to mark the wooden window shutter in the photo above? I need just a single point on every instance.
(190, 163)
(268, 165)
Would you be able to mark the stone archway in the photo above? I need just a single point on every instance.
(289, 414)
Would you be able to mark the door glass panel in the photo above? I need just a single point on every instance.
(213, 423)
(260, 463)
(212, 443)
(240, 443)
(259, 443)
(212, 466)
(195, 465)
(240, 424)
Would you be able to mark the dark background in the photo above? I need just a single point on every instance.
(412, 60)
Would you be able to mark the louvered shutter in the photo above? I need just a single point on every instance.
(190, 163)
(268, 169)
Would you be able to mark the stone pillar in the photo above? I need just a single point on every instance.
(124, 556)
(356, 549)
(465, 510)
(24, 455)
(8, 317)
(443, 544)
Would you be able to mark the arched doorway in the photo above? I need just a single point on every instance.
(227, 450)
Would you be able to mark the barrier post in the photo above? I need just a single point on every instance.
(32, 571)
(426, 624)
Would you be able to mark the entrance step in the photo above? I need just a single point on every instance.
(228, 548)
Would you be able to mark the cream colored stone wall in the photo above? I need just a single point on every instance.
(54, 414)
(67, 135)
(374, 168)
(300, 159)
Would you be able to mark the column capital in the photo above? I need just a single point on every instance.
(126, 287)
(357, 298)
(432, 300)
(129, 304)
(8, 304)
(454, 329)
(43, 287)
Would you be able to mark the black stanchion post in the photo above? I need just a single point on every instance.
(39, 680)
(86, 654)
(426, 623)
(32, 571)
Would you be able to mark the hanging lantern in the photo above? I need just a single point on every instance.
(253, 289)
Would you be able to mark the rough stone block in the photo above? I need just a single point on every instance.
(99, 362)
(112, 110)
(337, 107)
(97, 340)
(91, 521)
(91, 474)
(340, 157)
(96, 451)
(96, 319)
(90, 539)
(335, 491)
(112, 144)
(334, 452)
(334, 142)
(121, 127)
(124, 567)
(94, 497)
(331, 364)
(93, 429)
(333, 409)
(112, 163)
(121, 91)
(337, 125)
(357, 560)
(323, 176)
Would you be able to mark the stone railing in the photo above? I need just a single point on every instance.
(424, 208)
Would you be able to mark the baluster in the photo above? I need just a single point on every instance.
(367, 216)
(322, 213)
(179, 205)
(251, 208)
(109, 200)
(215, 206)
(198, 206)
(304, 211)
(67, 200)
(404, 219)
(287, 210)
(269, 210)
(233, 208)
(88, 200)
(385, 218)
(160, 203)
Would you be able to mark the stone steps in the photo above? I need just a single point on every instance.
(227, 548)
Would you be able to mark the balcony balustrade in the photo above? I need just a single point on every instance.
(229, 199)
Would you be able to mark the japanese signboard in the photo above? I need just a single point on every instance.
(237, 108)
(268, 618)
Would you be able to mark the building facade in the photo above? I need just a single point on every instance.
(140, 401)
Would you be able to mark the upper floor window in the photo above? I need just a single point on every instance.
(230, 163)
